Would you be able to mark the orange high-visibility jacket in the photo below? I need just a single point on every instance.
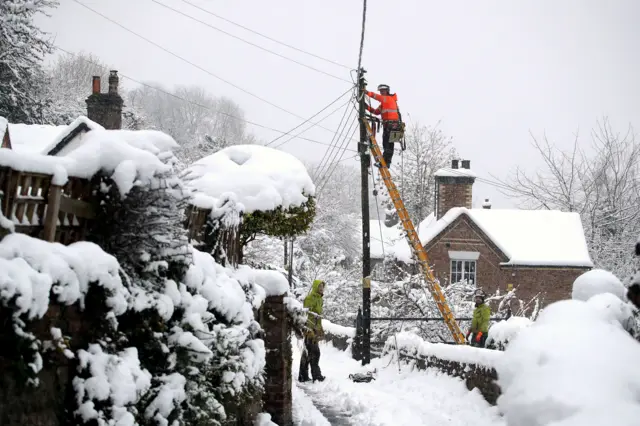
(388, 107)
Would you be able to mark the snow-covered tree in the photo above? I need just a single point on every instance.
(600, 183)
(23, 46)
(428, 149)
(408, 297)
(200, 122)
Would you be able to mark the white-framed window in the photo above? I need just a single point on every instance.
(463, 270)
(463, 266)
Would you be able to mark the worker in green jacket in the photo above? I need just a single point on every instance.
(480, 322)
(311, 352)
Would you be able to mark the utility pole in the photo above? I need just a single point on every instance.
(291, 264)
(365, 162)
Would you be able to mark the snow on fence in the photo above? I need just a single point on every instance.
(38, 207)
(475, 366)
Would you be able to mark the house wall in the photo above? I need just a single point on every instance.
(552, 284)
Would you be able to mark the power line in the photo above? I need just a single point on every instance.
(326, 179)
(309, 119)
(195, 65)
(310, 127)
(249, 42)
(266, 36)
(329, 172)
(195, 103)
(364, 21)
(321, 164)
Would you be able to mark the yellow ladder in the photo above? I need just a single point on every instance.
(414, 241)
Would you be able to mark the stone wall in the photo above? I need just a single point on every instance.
(277, 399)
(475, 376)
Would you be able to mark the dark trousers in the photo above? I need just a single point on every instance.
(387, 146)
(311, 355)
(479, 344)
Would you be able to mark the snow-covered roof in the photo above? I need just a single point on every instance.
(130, 156)
(526, 237)
(42, 138)
(33, 138)
(449, 172)
(77, 140)
(256, 177)
(3, 125)
(394, 240)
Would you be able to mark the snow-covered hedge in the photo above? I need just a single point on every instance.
(571, 367)
(270, 189)
(171, 336)
(210, 349)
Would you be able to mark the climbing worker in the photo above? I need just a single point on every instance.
(311, 350)
(391, 119)
(480, 322)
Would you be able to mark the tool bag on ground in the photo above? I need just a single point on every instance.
(363, 377)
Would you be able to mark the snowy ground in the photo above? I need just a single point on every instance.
(396, 398)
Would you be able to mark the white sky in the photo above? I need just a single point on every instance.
(490, 71)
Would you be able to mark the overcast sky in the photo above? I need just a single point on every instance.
(489, 71)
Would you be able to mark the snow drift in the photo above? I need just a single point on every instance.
(571, 367)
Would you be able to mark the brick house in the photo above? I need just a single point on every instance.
(536, 252)
(104, 111)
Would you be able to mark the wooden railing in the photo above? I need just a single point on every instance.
(44, 210)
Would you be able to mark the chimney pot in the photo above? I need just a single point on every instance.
(95, 85)
(454, 164)
(113, 82)
(466, 164)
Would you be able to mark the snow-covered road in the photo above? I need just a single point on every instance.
(395, 398)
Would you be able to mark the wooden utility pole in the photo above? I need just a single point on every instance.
(365, 162)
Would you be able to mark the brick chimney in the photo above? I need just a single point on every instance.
(486, 204)
(453, 187)
(106, 108)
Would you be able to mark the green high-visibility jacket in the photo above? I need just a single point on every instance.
(480, 320)
(314, 302)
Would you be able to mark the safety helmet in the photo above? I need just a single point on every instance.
(479, 293)
(383, 87)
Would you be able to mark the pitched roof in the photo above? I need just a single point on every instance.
(47, 139)
(526, 237)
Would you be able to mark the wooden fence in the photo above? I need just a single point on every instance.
(64, 213)
(201, 233)
(46, 211)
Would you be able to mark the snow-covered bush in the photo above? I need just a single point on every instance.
(571, 367)
(605, 292)
(170, 335)
(503, 332)
(597, 281)
(270, 189)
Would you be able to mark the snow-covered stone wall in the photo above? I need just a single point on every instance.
(475, 366)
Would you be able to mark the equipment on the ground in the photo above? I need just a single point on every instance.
(414, 241)
(363, 377)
